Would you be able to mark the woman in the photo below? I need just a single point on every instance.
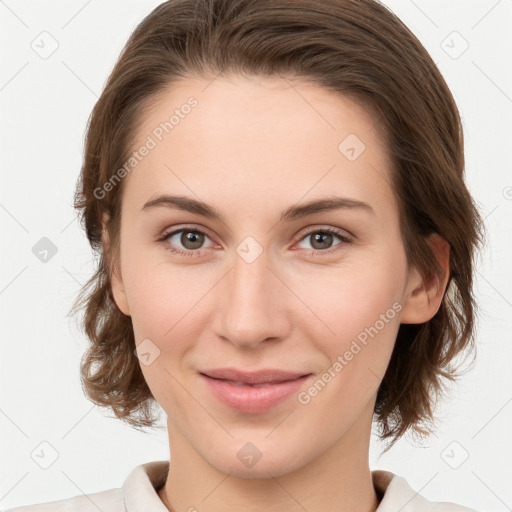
(286, 241)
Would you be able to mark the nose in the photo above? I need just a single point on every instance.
(252, 304)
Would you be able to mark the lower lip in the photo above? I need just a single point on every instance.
(253, 399)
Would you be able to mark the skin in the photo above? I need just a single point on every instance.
(251, 148)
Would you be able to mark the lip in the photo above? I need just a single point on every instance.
(267, 375)
(253, 392)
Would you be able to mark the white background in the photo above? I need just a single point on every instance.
(45, 104)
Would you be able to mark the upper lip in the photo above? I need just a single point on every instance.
(256, 377)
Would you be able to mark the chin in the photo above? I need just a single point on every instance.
(272, 461)
(261, 471)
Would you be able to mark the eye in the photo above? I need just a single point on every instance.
(191, 239)
(321, 240)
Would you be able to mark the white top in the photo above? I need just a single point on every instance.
(139, 494)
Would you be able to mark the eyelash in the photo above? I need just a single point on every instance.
(311, 252)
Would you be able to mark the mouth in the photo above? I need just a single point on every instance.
(264, 376)
(261, 385)
(254, 392)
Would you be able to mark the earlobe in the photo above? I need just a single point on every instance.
(119, 294)
(116, 282)
(423, 299)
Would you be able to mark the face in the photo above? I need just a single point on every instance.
(241, 284)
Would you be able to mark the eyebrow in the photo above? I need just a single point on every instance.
(293, 213)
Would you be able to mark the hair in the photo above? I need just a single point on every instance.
(356, 48)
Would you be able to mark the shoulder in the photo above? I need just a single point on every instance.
(397, 494)
(106, 501)
(139, 492)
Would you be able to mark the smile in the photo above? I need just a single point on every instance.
(252, 398)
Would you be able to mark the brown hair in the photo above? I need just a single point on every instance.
(357, 48)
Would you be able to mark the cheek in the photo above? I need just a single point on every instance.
(364, 316)
(352, 298)
(162, 297)
(164, 307)
(359, 306)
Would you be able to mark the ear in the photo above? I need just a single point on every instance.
(116, 282)
(423, 299)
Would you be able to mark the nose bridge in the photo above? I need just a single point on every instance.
(249, 280)
(250, 312)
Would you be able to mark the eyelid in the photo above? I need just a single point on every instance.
(167, 233)
(186, 227)
(343, 235)
(317, 228)
(302, 233)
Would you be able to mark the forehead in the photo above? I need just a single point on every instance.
(264, 139)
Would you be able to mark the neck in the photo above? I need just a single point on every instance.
(339, 480)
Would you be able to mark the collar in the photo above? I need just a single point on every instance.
(141, 485)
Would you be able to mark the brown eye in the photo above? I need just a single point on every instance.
(185, 241)
(191, 239)
(321, 240)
